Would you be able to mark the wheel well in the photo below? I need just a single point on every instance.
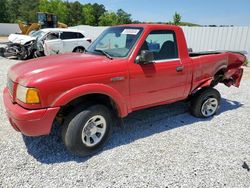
(81, 47)
(218, 77)
(87, 100)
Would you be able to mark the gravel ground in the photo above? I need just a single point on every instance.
(158, 147)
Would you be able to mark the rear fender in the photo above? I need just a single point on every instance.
(205, 83)
(80, 91)
(233, 77)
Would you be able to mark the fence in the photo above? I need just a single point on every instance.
(8, 28)
(91, 32)
(218, 38)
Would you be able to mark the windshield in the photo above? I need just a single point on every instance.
(38, 34)
(116, 41)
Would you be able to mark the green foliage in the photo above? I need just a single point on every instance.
(189, 24)
(177, 18)
(4, 12)
(99, 10)
(88, 14)
(57, 7)
(74, 13)
(14, 11)
(108, 19)
(123, 17)
(68, 12)
(28, 10)
(112, 18)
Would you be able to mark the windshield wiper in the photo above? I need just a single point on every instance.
(104, 53)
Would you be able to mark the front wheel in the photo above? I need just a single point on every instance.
(23, 54)
(86, 130)
(205, 103)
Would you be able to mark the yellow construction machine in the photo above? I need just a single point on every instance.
(45, 20)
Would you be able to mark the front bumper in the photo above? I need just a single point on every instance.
(29, 122)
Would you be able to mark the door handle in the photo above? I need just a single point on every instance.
(179, 68)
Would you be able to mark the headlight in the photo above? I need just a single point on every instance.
(28, 95)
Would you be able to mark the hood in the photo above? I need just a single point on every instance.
(59, 67)
(20, 39)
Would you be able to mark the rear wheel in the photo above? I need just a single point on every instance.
(205, 103)
(87, 129)
(79, 50)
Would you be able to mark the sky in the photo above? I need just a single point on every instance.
(204, 12)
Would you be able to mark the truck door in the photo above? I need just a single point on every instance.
(164, 79)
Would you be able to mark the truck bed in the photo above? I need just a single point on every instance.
(210, 63)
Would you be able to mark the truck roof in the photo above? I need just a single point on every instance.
(147, 25)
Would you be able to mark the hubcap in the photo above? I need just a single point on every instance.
(94, 130)
(209, 107)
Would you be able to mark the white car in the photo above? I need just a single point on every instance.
(47, 42)
(64, 40)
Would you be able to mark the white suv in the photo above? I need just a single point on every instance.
(46, 42)
(64, 40)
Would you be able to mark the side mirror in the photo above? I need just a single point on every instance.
(146, 57)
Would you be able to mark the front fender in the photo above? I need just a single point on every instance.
(77, 92)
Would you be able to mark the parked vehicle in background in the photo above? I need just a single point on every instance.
(44, 20)
(64, 41)
(127, 68)
(46, 42)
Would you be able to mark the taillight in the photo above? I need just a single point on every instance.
(89, 40)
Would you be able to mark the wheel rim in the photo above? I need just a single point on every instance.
(94, 130)
(209, 107)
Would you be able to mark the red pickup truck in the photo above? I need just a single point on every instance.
(128, 67)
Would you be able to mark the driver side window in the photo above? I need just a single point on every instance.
(162, 43)
(52, 36)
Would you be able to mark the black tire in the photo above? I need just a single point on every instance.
(77, 122)
(23, 55)
(79, 49)
(204, 96)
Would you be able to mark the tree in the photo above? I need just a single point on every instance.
(28, 10)
(109, 19)
(74, 13)
(57, 7)
(88, 14)
(4, 11)
(99, 10)
(136, 22)
(177, 18)
(14, 12)
(123, 17)
(69, 12)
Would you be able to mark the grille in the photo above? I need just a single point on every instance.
(10, 86)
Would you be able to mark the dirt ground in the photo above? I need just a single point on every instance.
(246, 74)
(3, 39)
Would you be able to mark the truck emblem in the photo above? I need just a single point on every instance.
(117, 78)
